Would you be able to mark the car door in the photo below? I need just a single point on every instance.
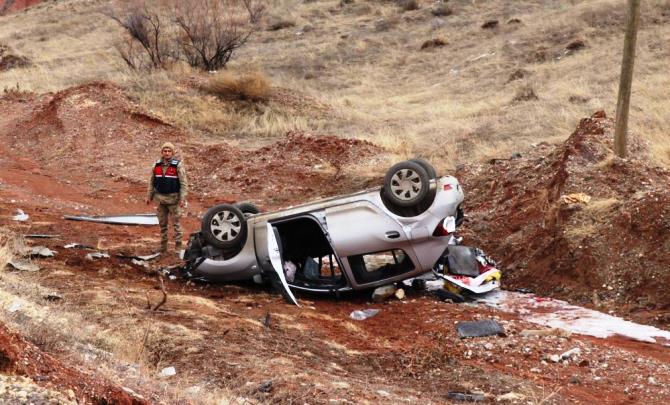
(277, 278)
(360, 229)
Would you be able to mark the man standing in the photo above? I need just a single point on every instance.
(168, 187)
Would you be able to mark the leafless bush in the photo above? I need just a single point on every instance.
(211, 32)
(253, 86)
(408, 5)
(255, 8)
(203, 33)
(147, 37)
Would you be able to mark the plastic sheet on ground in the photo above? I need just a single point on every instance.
(560, 314)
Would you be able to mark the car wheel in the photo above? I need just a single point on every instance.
(406, 184)
(225, 227)
(248, 208)
(432, 174)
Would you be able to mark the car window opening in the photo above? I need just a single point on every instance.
(371, 267)
(308, 257)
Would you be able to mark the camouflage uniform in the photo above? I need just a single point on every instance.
(168, 204)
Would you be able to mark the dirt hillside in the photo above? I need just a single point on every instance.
(612, 251)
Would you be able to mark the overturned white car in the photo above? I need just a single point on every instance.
(349, 242)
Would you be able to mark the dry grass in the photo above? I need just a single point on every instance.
(251, 86)
(450, 105)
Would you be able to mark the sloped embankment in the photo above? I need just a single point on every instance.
(612, 251)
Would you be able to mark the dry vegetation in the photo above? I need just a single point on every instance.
(457, 102)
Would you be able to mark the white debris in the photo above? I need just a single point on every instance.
(168, 372)
(382, 293)
(571, 353)
(14, 306)
(24, 265)
(140, 263)
(42, 251)
(97, 255)
(20, 216)
(361, 315)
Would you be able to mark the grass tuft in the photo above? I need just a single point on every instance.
(253, 86)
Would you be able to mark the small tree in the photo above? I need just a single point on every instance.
(148, 29)
(203, 33)
(212, 31)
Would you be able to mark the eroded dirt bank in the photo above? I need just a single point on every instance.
(612, 252)
(88, 149)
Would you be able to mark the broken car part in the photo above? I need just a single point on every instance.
(144, 258)
(131, 219)
(479, 328)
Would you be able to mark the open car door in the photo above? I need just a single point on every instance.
(277, 278)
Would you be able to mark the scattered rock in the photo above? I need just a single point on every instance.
(168, 372)
(571, 353)
(399, 294)
(514, 21)
(489, 25)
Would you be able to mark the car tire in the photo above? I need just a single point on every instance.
(432, 173)
(406, 184)
(225, 227)
(248, 208)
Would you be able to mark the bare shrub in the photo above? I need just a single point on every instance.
(203, 33)
(10, 61)
(255, 8)
(278, 23)
(253, 86)
(433, 43)
(210, 32)
(17, 94)
(441, 10)
(408, 5)
(148, 43)
(525, 93)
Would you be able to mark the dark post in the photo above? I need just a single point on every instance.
(626, 80)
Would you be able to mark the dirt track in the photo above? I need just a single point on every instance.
(86, 150)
